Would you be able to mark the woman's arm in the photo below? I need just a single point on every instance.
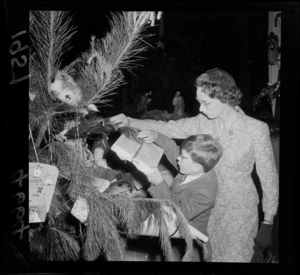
(266, 170)
(180, 129)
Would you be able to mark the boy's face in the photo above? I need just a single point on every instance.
(186, 165)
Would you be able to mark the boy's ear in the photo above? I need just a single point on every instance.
(197, 167)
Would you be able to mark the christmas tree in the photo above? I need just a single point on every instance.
(64, 111)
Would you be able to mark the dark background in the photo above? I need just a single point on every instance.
(235, 41)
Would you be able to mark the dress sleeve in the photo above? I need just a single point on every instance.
(180, 129)
(266, 170)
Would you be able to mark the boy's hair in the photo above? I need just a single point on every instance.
(203, 149)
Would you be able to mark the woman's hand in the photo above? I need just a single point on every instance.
(120, 120)
(148, 136)
(153, 176)
(264, 235)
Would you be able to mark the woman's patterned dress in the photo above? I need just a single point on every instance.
(233, 222)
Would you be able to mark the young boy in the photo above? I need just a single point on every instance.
(194, 189)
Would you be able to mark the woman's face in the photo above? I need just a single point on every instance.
(211, 107)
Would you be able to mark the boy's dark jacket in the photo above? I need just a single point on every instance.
(195, 198)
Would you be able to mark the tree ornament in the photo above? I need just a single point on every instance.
(65, 89)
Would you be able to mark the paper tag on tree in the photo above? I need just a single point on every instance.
(101, 184)
(80, 209)
(42, 181)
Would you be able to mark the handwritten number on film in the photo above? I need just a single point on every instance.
(17, 61)
(19, 212)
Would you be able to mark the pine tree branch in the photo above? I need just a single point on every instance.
(118, 50)
(50, 34)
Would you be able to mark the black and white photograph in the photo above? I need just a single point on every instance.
(150, 133)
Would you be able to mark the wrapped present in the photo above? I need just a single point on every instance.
(148, 155)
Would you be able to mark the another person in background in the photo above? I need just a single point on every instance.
(145, 99)
(179, 105)
(234, 220)
(194, 189)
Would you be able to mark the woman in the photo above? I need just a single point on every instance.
(246, 141)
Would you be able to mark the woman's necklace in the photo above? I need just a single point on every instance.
(227, 129)
(230, 126)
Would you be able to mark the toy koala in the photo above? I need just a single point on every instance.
(65, 89)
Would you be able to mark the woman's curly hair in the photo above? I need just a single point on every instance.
(217, 83)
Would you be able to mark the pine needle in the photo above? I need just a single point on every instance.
(184, 231)
(164, 239)
(101, 66)
(102, 235)
(50, 34)
(98, 73)
(131, 213)
(52, 244)
(71, 164)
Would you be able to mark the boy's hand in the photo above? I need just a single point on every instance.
(153, 177)
(148, 136)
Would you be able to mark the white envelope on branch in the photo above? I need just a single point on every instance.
(151, 228)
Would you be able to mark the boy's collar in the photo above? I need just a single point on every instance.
(189, 178)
